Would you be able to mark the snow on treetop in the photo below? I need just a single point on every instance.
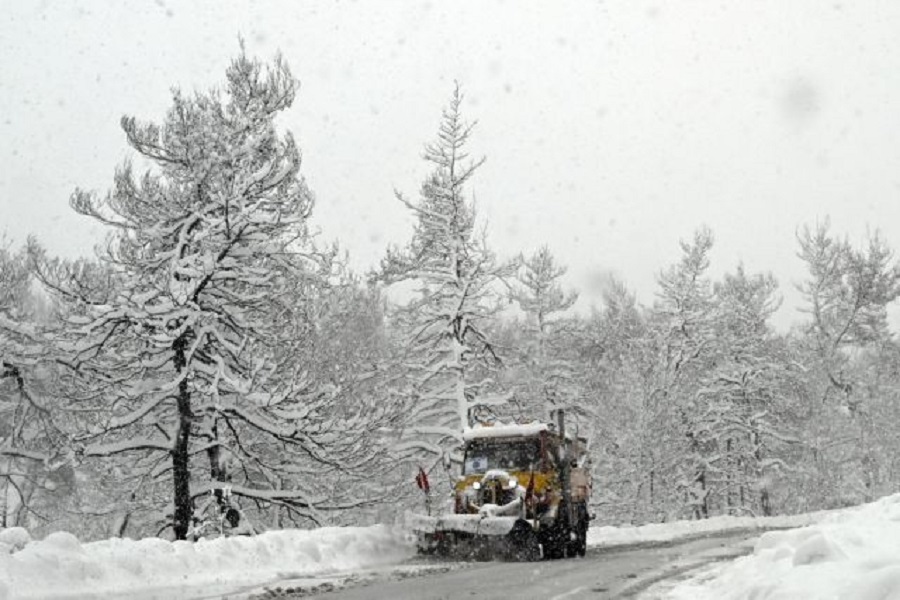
(481, 431)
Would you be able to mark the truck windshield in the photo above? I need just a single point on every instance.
(508, 455)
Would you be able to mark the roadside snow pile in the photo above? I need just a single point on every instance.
(852, 554)
(608, 536)
(62, 567)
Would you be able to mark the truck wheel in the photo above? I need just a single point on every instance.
(578, 546)
(553, 550)
(554, 542)
(532, 551)
(577, 540)
(524, 542)
(581, 529)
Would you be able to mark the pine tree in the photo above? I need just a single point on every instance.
(548, 376)
(27, 429)
(746, 397)
(847, 294)
(611, 369)
(682, 321)
(181, 358)
(450, 357)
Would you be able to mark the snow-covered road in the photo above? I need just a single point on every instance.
(604, 573)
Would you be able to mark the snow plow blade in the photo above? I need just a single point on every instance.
(475, 537)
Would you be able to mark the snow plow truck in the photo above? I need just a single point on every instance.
(523, 493)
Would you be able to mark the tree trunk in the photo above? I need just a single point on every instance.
(181, 475)
(729, 479)
(5, 506)
(216, 472)
(765, 503)
(704, 505)
(459, 372)
(764, 500)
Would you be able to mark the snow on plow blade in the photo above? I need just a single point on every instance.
(475, 536)
(467, 524)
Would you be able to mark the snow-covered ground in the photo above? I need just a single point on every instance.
(852, 554)
(61, 567)
(665, 532)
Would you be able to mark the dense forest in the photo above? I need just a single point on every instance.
(215, 352)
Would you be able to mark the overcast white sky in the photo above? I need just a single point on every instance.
(612, 128)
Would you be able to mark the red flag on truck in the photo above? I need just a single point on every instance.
(422, 480)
